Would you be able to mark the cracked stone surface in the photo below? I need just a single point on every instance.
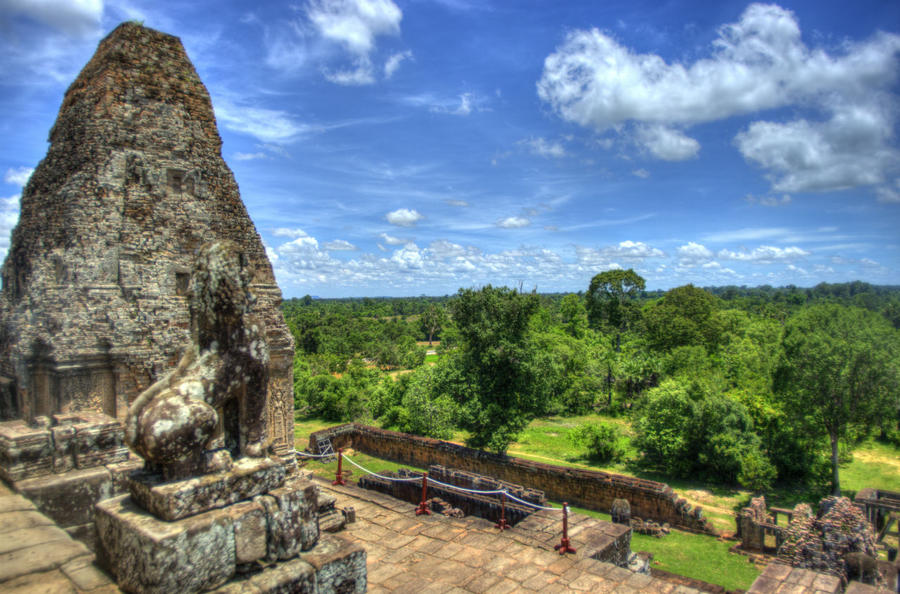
(430, 554)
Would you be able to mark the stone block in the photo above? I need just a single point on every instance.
(607, 542)
(249, 519)
(69, 498)
(146, 554)
(340, 565)
(63, 448)
(45, 582)
(247, 478)
(85, 533)
(292, 518)
(121, 473)
(288, 577)
(12, 521)
(99, 439)
(24, 451)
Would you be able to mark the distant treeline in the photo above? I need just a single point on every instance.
(884, 299)
(746, 385)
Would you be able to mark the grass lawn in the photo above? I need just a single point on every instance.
(874, 464)
(693, 555)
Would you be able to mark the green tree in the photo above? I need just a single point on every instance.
(688, 431)
(573, 314)
(496, 375)
(424, 410)
(685, 316)
(838, 373)
(432, 320)
(611, 298)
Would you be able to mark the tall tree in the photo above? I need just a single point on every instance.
(685, 316)
(497, 378)
(611, 298)
(839, 372)
(432, 320)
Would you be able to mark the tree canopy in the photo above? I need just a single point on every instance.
(611, 298)
(499, 383)
(838, 372)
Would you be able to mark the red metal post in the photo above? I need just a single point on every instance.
(423, 507)
(339, 476)
(502, 524)
(564, 546)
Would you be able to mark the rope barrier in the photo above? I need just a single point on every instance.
(307, 454)
(387, 478)
(513, 497)
(464, 490)
(449, 486)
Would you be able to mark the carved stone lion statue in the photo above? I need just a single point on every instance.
(212, 407)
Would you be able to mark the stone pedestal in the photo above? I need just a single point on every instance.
(179, 499)
(65, 464)
(246, 530)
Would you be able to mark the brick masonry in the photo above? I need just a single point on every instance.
(94, 306)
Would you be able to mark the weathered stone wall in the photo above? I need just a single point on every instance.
(94, 306)
(584, 488)
(471, 504)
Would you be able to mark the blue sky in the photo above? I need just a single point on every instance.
(389, 147)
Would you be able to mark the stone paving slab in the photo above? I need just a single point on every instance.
(437, 554)
(38, 556)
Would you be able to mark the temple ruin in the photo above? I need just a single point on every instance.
(94, 306)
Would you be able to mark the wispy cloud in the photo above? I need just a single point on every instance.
(513, 223)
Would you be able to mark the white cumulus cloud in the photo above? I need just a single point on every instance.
(850, 149)
(765, 254)
(693, 253)
(758, 63)
(404, 217)
(355, 25)
(287, 232)
(667, 143)
(18, 176)
(391, 240)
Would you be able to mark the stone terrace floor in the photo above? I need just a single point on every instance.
(406, 553)
(431, 554)
(38, 556)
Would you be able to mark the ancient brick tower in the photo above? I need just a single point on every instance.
(93, 307)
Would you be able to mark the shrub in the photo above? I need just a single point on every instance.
(602, 441)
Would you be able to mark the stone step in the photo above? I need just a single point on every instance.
(333, 521)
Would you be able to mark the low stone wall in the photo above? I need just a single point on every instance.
(471, 504)
(584, 488)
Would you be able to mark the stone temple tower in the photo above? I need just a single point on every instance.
(93, 306)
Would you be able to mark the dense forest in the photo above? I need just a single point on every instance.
(738, 385)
